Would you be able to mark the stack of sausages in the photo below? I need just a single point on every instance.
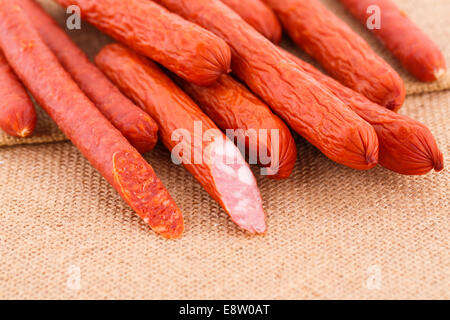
(186, 71)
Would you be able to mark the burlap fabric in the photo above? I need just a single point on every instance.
(333, 232)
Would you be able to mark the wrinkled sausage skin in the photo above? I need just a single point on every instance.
(182, 47)
(406, 145)
(412, 47)
(344, 54)
(232, 106)
(259, 16)
(303, 103)
(137, 126)
(212, 159)
(97, 139)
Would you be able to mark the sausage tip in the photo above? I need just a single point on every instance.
(277, 35)
(25, 124)
(372, 160)
(434, 157)
(25, 132)
(439, 73)
(393, 105)
(371, 155)
(439, 163)
(253, 222)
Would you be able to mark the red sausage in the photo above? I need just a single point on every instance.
(303, 103)
(189, 134)
(137, 126)
(259, 16)
(341, 51)
(17, 114)
(102, 144)
(232, 106)
(182, 47)
(406, 145)
(415, 50)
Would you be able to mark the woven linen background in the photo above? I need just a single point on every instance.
(332, 230)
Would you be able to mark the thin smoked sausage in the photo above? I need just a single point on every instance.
(259, 16)
(17, 114)
(137, 126)
(406, 145)
(307, 106)
(97, 139)
(182, 47)
(233, 107)
(342, 52)
(193, 139)
(413, 48)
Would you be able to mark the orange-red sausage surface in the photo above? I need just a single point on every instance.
(406, 145)
(137, 126)
(302, 102)
(232, 106)
(182, 47)
(341, 51)
(17, 114)
(415, 50)
(259, 16)
(101, 143)
(194, 140)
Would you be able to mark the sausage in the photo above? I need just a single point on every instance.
(17, 114)
(232, 106)
(97, 139)
(182, 47)
(193, 139)
(257, 14)
(137, 126)
(304, 104)
(414, 49)
(406, 145)
(341, 51)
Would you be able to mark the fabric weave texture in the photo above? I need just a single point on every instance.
(334, 233)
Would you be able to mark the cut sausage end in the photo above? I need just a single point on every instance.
(145, 193)
(236, 185)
